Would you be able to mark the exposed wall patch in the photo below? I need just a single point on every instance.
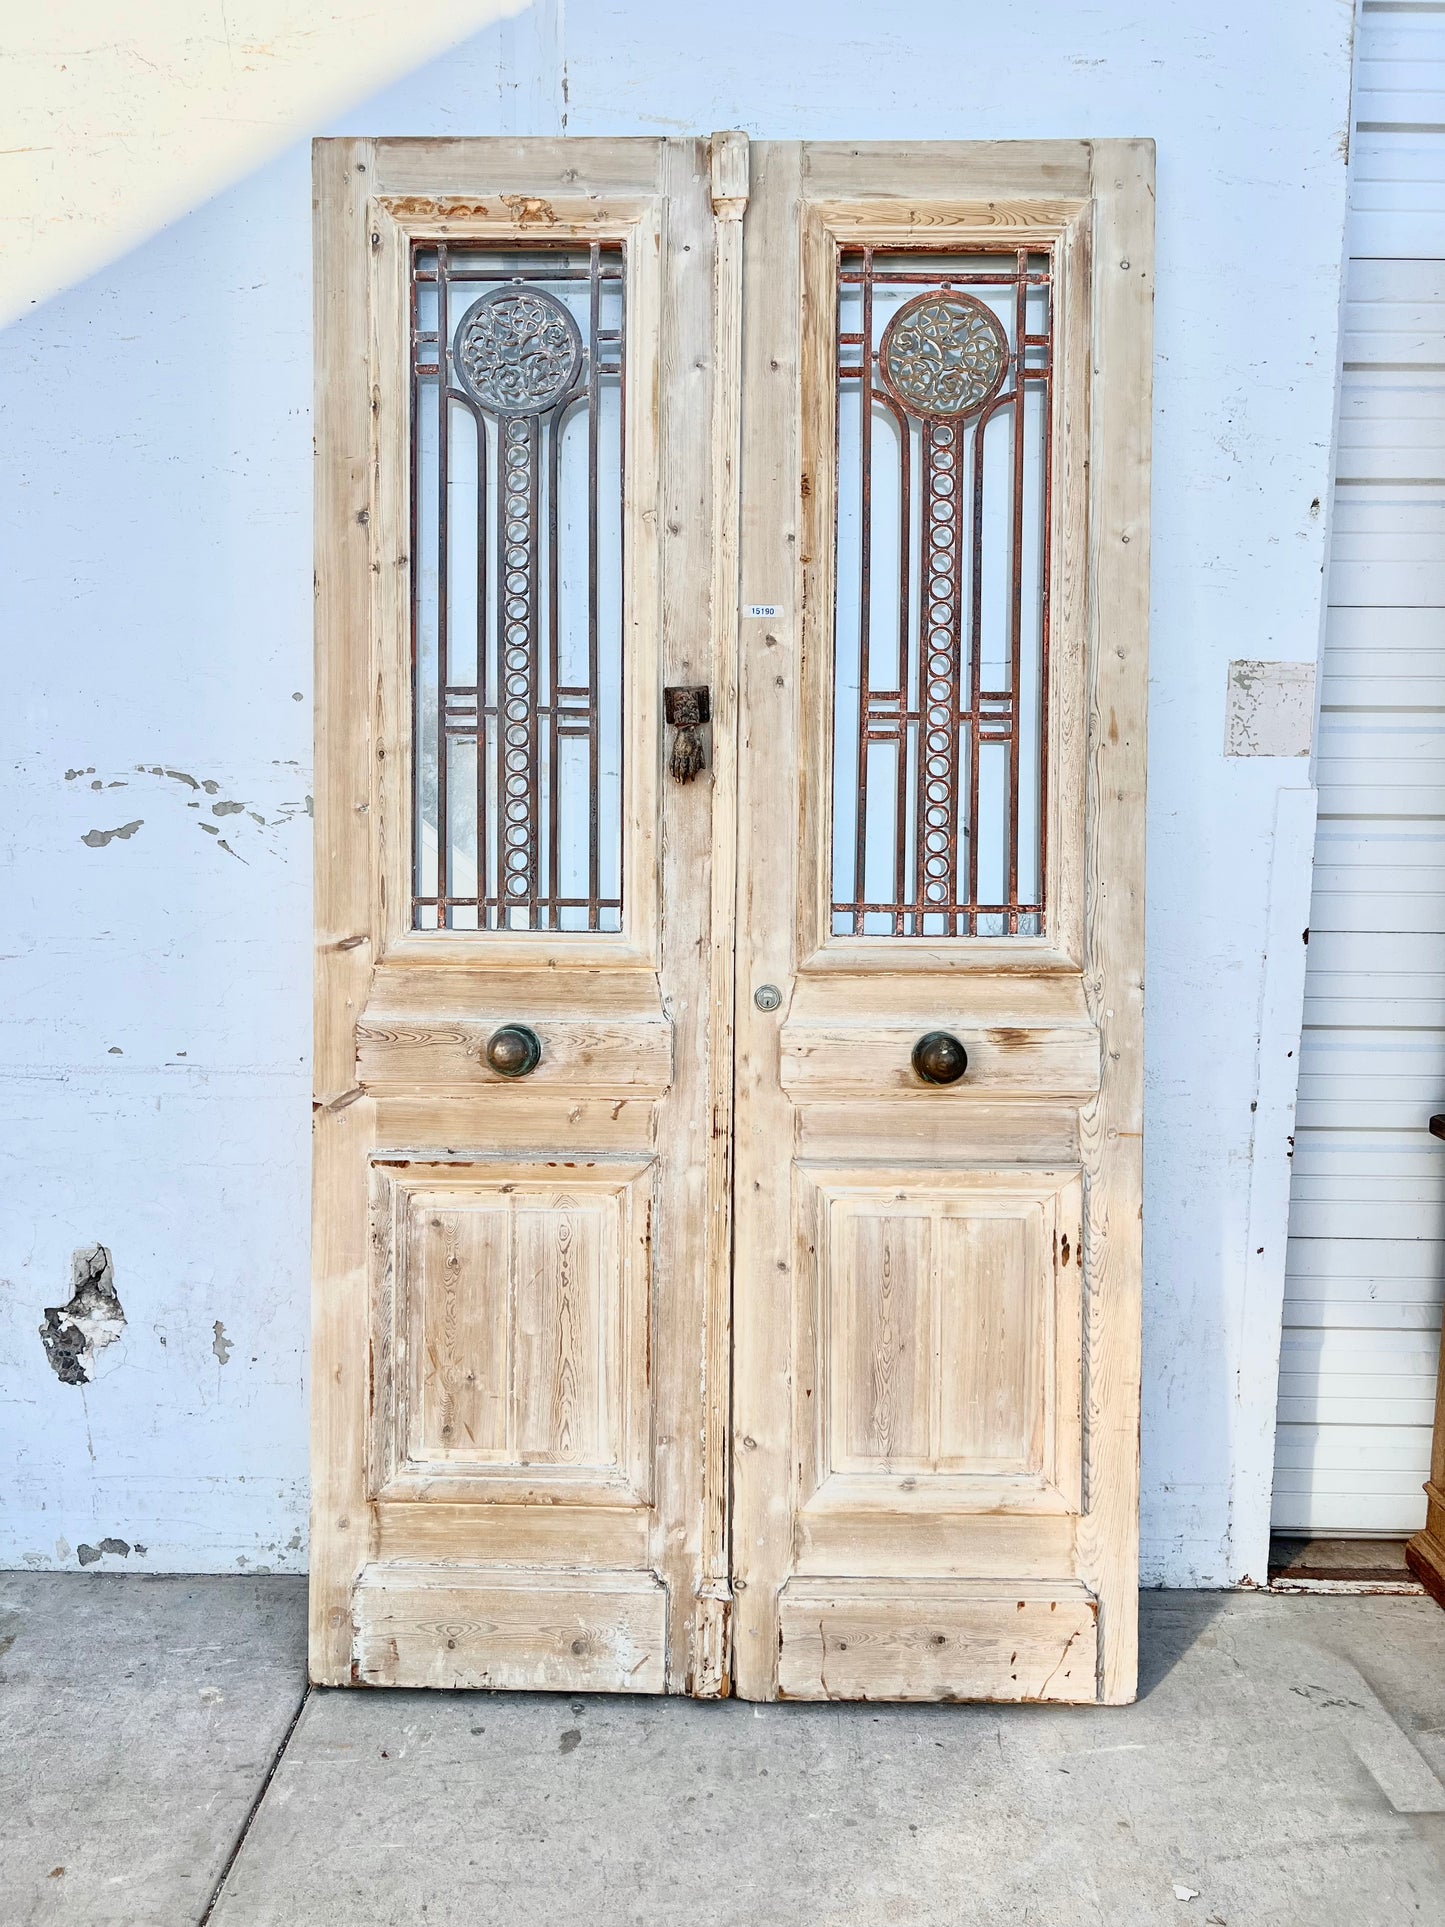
(220, 1344)
(91, 1555)
(1271, 709)
(97, 839)
(74, 1333)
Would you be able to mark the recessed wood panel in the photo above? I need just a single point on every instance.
(563, 1274)
(512, 1313)
(949, 1305)
(461, 1264)
(996, 1301)
(882, 1316)
(514, 1320)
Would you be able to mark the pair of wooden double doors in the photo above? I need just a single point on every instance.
(732, 587)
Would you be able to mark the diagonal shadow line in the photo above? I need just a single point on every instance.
(305, 85)
(250, 1820)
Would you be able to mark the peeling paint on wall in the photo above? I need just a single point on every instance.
(220, 1344)
(283, 810)
(92, 1555)
(74, 1334)
(97, 839)
(1271, 709)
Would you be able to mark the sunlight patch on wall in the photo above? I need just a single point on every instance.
(117, 120)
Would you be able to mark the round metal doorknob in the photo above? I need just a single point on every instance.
(514, 1050)
(939, 1058)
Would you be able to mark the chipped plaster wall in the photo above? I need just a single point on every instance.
(156, 894)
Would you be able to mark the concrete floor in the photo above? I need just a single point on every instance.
(1280, 1770)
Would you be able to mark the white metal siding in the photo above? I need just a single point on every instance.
(1367, 1214)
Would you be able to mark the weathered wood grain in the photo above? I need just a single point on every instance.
(1112, 1126)
(711, 1656)
(769, 825)
(538, 1632)
(581, 1053)
(867, 1639)
(690, 1234)
(342, 1119)
(942, 173)
(983, 1532)
(480, 1531)
(873, 1060)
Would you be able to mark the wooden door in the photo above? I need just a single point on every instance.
(918, 820)
(944, 587)
(526, 383)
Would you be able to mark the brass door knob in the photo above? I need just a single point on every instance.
(514, 1050)
(939, 1058)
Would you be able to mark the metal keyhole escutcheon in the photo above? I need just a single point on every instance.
(939, 1058)
(514, 1050)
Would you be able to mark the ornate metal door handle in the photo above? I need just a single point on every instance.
(686, 710)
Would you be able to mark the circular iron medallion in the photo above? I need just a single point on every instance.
(944, 355)
(517, 350)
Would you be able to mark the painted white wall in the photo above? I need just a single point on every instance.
(119, 119)
(155, 989)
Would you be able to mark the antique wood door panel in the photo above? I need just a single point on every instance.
(944, 589)
(527, 358)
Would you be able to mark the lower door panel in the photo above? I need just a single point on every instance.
(533, 1631)
(935, 1639)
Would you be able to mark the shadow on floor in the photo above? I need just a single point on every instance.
(1262, 1780)
(1170, 1624)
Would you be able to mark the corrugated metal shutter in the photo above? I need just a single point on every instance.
(1367, 1218)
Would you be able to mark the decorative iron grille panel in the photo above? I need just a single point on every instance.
(517, 476)
(941, 635)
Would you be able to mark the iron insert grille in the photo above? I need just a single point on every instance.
(941, 636)
(518, 393)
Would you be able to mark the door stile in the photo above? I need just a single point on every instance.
(1111, 1127)
(764, 1343)
(690, 1316)
(712, 1658)
(343, 1119)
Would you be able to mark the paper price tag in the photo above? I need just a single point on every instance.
(763, 609)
